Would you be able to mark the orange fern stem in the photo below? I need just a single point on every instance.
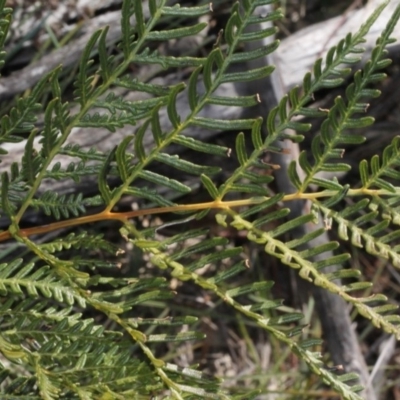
(107, 215)
(216, 204)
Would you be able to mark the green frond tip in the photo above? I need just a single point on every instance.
(53, 204)
(81, 241)
(102, 182)
(241, 149)
(6, 205)
(171, 107)
(178, 11)
(84, 82)
(379, 172)
(139, 16)
(222, 124)
(31, 161)
(186, 166)
(255, 54)
(179, 337)
(252, 75)
(251, 288)
(16, 278)
(176, 33)
(161, 180)
(202, 147)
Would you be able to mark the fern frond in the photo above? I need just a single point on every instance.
(390, 208)
(74, 150)
(214, 74)
(64, 353)
(152, 195)
(38, 335)
(280, 118)
(379, 170)
(84, 83)
(23, 116)
(15, 276)
(74, 171)
(276, 326)
(53, 204)
(110, 122)
(66, 361)
(200, 146)
(375, 238)
(5, 19)
(341, 116)
(81, 241)
(291, 254)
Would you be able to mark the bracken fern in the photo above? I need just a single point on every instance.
(46, 296)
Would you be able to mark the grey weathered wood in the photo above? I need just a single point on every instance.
(297, 53)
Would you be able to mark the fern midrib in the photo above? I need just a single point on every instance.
(216, 204)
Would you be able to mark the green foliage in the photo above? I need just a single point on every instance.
(50, 293)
